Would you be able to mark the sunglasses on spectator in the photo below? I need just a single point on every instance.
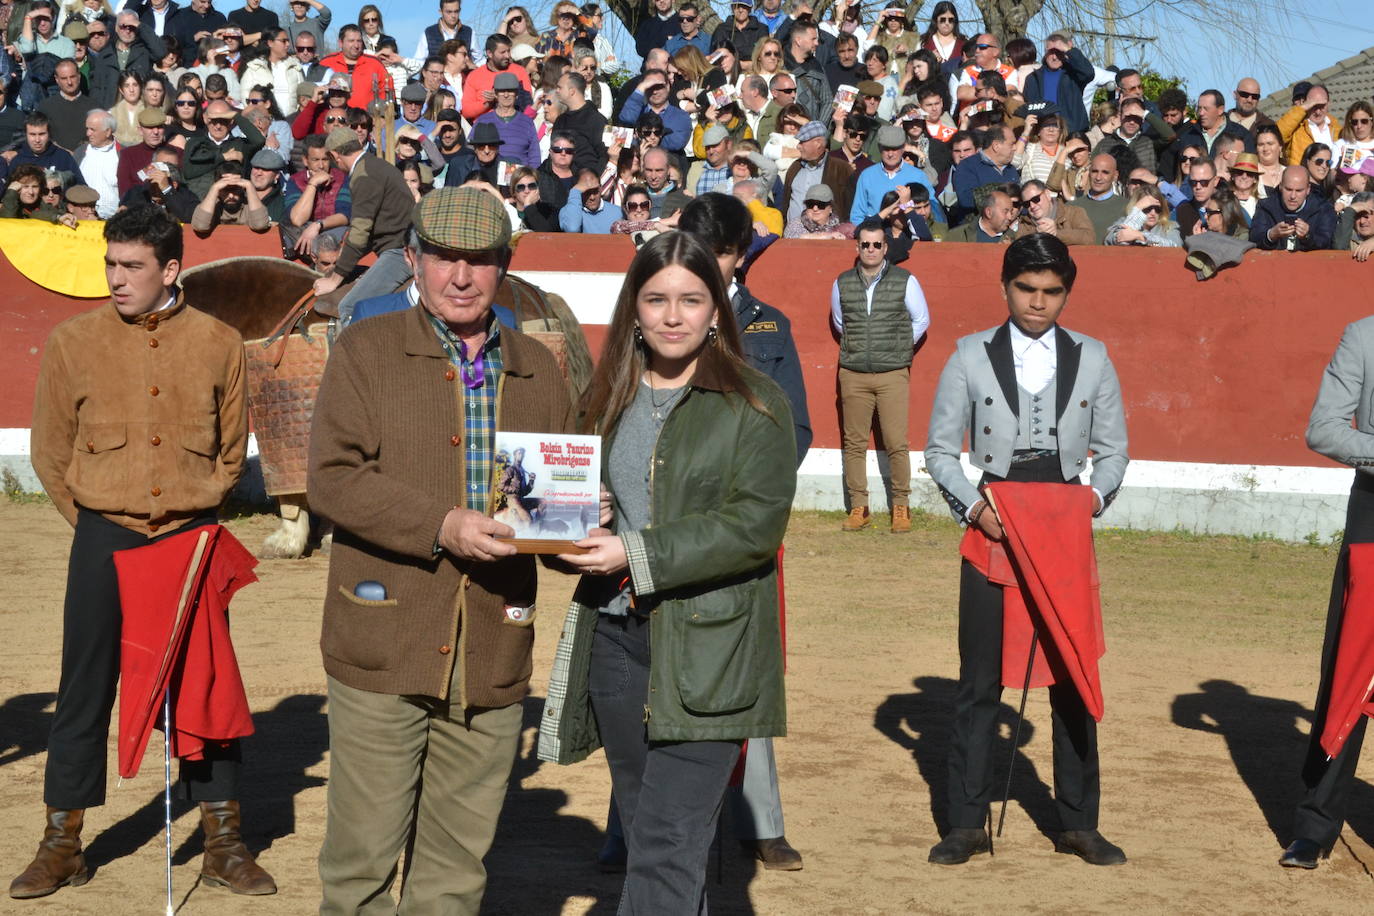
(1361, 121)
(257, 101)
(1032, 200)
(516, 19)
(687, 18)
(47, 191)
(651, 131)
(1253, 96)
(93, 33)
(816, 205)
(1210, 212)
(853, 134)
(371, 19)
(564, 14)
(1200, 182)
(305, 48)
(186, 103)
(785, 90)
(869, 245)
(562, 149)
(125, 28)
(984, 47)
(946, 19)
(223, 122)
(335, 120)
(1187, 158)
(1152, 208)
(637, 205)
(527, 186)
(771, 54)
(1326, 161)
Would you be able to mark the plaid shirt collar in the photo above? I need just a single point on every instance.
(476, 371)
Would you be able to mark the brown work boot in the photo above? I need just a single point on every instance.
(227, 861)
(59, 861)
(857, 519)
(901, 519)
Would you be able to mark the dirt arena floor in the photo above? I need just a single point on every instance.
(1210, 670)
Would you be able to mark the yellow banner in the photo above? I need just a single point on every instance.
(64, 260)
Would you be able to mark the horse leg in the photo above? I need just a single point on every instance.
(288, 541)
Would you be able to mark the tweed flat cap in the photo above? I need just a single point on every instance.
(871, 88)
(414, 92)
(338, 137)
(714, 134)
(810, 131)
(505, 82)
(76, 31)
(82, 196)
(462, 219)
(890, 136)
(268, 159)
(820, 194)
(152, 117)
(305, 90)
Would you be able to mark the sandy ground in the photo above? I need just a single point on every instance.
(1211, 666)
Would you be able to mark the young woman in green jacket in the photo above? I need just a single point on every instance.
(673, 655)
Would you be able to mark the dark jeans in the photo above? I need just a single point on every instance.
(1322, 810)
(1077, 789)
(669, 793)
(91, 619)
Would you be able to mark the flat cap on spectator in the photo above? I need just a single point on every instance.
(82, 196)
(1247, 162)
(485, 134)
(462, 219)
(747, 3)
(340, 82)
(414, 92)
(810, 131)
(152, 117)
(306, 90)
(449, 114)
(871, 88)
(714, 134)
(819, 194)
(339, 137)
(268, 159)
(890, 136)
(523, 51)
(505, 82)
(76, 31)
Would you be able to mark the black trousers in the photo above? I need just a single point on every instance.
(1322, 811)
(91, 619)
(1077, 789)
(669, 794)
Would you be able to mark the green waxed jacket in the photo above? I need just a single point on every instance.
(705, 570)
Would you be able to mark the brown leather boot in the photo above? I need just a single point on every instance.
(59, 861)
(227, 862)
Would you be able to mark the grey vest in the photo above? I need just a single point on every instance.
(879, 341)
(1035, 426)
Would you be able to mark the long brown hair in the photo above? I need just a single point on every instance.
(624, 358)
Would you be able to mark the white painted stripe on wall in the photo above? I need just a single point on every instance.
(1181, 475)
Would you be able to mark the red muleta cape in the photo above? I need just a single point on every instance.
(1048, 573)
(175, 600)
(1352, 680)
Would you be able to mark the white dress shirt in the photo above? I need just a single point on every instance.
(1035, 358)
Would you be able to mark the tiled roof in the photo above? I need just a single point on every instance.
(1347, 81)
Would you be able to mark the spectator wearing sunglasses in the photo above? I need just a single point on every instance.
(1247, 113)
(1308, 121)
(1145, 222)
(135, 47)
(205, 153)
(586, 211)
(1357, 133)
(1061, 219)
(652, 94)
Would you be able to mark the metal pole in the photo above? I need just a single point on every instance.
(167, 788)
(1016, 735)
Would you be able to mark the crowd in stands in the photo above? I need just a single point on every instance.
(248, 118)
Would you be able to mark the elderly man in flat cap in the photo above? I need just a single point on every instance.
(427, 614)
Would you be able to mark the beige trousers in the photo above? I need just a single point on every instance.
(403, 767)
(862, 394)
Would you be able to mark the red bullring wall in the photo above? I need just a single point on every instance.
(1217, 372)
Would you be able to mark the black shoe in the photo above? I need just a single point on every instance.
(611, 859)
(1302, 853)
(775, 853)
(1090, 846)
(960, 845)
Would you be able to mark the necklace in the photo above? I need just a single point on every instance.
(660, 410)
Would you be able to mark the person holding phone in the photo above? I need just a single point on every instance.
(1294, 219)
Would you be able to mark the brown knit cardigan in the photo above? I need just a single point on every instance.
(386, 465)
